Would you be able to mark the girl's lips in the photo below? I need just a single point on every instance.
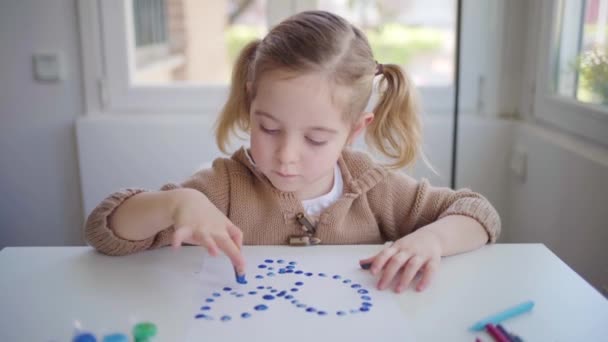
(284, 175)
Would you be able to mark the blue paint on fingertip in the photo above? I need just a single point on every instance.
(366, 266)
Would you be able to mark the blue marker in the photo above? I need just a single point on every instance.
(116, 338)
(504, 315)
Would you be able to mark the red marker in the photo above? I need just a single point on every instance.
(496, 334)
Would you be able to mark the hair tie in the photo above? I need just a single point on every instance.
(379, 69)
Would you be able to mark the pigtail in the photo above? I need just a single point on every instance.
(396, 130)
(235, 113)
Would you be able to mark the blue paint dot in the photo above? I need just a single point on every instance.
(239, 295)
(299, 283)
(294, 290)
(280, 261)
(363, 291)
(298, 272)
(308, 274)
(270, 274)
(205, 308)
(268, 287)
(252, 292)
(233, 293)
(245, 315)
(366, 297)
(281, 271)
(300, 305)
(215, 294)
(290, 267)
(321, 274)
(366, 304)
(364, 308)
(225, 318)
(262, 266)
(281, 294)
(260, 287)
(340, 313)
(292, 262)
(354, 311)
(270, 268)
(274, 291)
(311, 309)
(336, 277)
(260, 307)
(268, 297)
(227, 289)
(259, 276)
(268, 261)
(209, 300)
(200, 316)
(295, 301)
(346, 281)
(322, 313)
(288, 297)
(355, 286)
(289, 271)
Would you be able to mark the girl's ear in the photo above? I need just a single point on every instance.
(359, 125)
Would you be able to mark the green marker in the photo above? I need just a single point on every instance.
(144, 332)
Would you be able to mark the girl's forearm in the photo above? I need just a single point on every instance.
(144, 215)
(458, 234)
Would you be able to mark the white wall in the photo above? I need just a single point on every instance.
(563, 200)
(39, 187)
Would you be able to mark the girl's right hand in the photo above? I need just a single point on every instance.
(195, 218)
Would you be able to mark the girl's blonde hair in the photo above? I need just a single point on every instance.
(318, 41)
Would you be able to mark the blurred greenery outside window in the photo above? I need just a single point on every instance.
(408, 33)
(581, 54)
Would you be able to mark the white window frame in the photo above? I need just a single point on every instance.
(586, 120)
(106, 61)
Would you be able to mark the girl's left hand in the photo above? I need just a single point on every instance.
(417, 251)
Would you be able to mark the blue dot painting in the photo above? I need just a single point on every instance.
(270, 294)
(301, 290)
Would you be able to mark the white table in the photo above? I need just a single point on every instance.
(43, 290)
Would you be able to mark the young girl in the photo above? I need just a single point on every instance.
(300, 93)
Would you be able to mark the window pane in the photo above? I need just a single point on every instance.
(416, 34)
(593, 61)
(191, 41)
(581, 57)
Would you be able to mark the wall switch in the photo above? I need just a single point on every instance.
(519, 163)
(48, 67)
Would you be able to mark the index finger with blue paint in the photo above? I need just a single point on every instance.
(232, 249)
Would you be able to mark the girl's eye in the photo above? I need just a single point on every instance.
(269, 131)
(315, 142)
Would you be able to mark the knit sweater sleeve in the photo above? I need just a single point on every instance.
(402, 205)
(213, 182)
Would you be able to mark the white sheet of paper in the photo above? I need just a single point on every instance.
(283, 319)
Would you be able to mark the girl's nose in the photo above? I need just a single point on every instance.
(287, 152)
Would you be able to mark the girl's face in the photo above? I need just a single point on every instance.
(297, 133)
